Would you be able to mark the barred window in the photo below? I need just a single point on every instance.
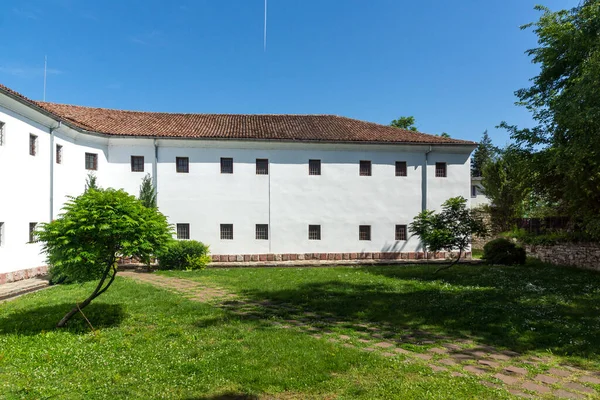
(182, 164)
(33, 143)
(364, 232)
(314, 167)
(183, 231)
(91, 161)
(226, 231)
(32, 226)
(365, 168)
(1, 233)
(473, 191)
(440, 169)
(262, 166)
(137, 163)
(400, 168)
(226, 165)
(59, 150)
(314, 232)
(262, 232)
(401, 232)
(1, 133)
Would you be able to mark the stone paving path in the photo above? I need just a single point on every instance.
(13, 289)
(521, 375)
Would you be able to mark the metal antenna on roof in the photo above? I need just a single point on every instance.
(45, 68)
(265, 37)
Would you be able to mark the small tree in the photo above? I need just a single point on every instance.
(407, 123)
(485, 153)
(91, 182)
(95, 229)
(450, 229)
(147, 192)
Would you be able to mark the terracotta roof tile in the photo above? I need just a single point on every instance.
(322, 128)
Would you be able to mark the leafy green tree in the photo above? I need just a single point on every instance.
(147, 192)
(450, 229)
(407, 123)
(485, 153)
(94, 231)
(445, 134)
(564, 100)
(91, 182)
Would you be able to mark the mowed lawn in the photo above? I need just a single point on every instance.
(152, 343)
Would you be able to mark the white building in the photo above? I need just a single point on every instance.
(253, 187)
(478, 197)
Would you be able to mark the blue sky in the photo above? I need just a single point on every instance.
(453, 65)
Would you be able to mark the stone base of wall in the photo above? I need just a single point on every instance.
(22, 274)
(580, 255)
(334, 256)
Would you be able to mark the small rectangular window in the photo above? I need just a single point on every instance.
(262, 232)
(137, 163)
(33, 143)
(226, 165)
(400, 168)
(473, 191)
(314, 232)
(365, 168)
(182, 165)
(59, 149)
(32, 226)
(183, 231)
(440, 169)
(364, 232)
(262, 166)
(1, 234)
(226, 231)
(401, 232)
(91, 161)
(1, 133)
(314, 167)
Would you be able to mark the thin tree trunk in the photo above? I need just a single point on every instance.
(97, 292)
(451, 264)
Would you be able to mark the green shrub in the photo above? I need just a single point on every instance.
(184, 255)
(503, 252)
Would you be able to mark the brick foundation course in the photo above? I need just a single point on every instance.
(580, 255)
(303, 258)
(22, 274)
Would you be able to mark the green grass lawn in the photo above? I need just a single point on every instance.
(151, 343)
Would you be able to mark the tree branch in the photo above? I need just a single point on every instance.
(451, 264)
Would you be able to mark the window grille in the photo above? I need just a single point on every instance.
(227, 165)
(262, 166)
(314, 232)
(314, 167)
(32, 226)
(262, 232)
(226, 231)
(59, 150)
(440, 170)
(365, 168)
(401, 232)
(137, 163)
(364, 232)
(401, 168)
(183, 231)
(1, 133)
(91, 161)
(183, 164)
(33, 140)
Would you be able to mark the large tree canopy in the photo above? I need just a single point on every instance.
(485, 153)
(564, 99)
(97, 228)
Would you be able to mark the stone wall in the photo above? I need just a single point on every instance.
(581, 255)
(22, 274)
(333, 256)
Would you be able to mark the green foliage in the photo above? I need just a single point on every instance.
(502, 251)
(184, 255)
(485, 153)
(450, 229)
(147, 192)
(98, 227)
(546, 239)
(407, 123)
(564, 100)
(445, 135)
(91, 182)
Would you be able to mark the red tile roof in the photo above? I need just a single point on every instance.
(319, 128)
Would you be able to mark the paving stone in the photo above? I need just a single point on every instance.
(332, 340)
(368, 349)
(447, 361)
(475, 370)
(490, 384)
(590, 379)
(436, 368)
(559, 372)
(546, 379)
(402, 351)
(510, 353)
(579, 387)
(509, 380)
(462, 357)
(491, 364)
(385, 345)
(364, 341)
(519, 393)
(534, 387)
(386, 354)
(563, 394)
(457, 374)
(500, 357)
(516, 370)
(348, 345)
(478, 353)
(344, 337)
(423, 356)
(438, 350)
(377, 336)
(452, 346)
(427, 342)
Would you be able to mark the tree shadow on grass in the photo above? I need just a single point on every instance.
(491, 315)
(32, 321)
(226, 396)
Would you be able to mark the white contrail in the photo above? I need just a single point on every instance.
(265, 38)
